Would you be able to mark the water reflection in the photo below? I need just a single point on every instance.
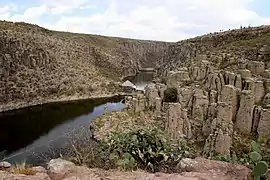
(33, 130)
(142, 79)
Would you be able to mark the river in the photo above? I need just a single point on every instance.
(38, 129)
(30, 131)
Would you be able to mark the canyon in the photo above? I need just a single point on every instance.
(39, 65)
(222, 83)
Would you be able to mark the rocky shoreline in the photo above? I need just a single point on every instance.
(19, 105)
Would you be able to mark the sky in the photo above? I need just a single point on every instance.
(164, 20)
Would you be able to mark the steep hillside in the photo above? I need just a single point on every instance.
(223, 88)
(226, 50)
(37, 64)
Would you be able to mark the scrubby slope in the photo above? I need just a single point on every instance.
(225, 50)
(223, 83)
(37, 64)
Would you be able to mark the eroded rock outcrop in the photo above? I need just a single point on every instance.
(264, 124)
(244, 115)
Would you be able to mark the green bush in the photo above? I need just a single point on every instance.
(145, 148)
(170, 95)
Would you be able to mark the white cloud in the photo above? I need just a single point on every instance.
(170, 20)
(31, 14)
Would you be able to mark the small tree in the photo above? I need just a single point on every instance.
(170, 95)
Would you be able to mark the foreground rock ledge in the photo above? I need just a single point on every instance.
(194, 169)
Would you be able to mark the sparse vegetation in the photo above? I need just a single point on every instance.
(22, 168)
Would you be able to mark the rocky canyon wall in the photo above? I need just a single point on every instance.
(223, 87)
(37, 65)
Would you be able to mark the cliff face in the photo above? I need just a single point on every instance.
(223, 83)
(37, 64)
(225, 50)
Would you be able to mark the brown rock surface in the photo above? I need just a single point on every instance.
(197, 169)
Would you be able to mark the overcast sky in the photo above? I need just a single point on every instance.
(166, 20)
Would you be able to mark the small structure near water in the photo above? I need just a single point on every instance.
(128, 86)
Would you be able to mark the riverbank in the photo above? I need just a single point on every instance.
(19, 105)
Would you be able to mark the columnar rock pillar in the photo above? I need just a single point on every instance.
(244, 116)
(186, 124)
(151, 94)
(259, 91)
(229, 96)
(174, 122)
(158, 106)
(264, 125)
(140, 103)
(220, 141)
(199, 108)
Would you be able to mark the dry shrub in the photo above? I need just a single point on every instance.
(22, 168)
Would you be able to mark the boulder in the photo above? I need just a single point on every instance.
(222, 170)
(4, 165)
(58, 169)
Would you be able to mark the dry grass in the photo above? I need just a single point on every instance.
(22, 168)
(52, 65)
(120, 121)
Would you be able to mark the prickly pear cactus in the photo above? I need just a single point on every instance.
(255, 147)
(260, 170)
(255, 156)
